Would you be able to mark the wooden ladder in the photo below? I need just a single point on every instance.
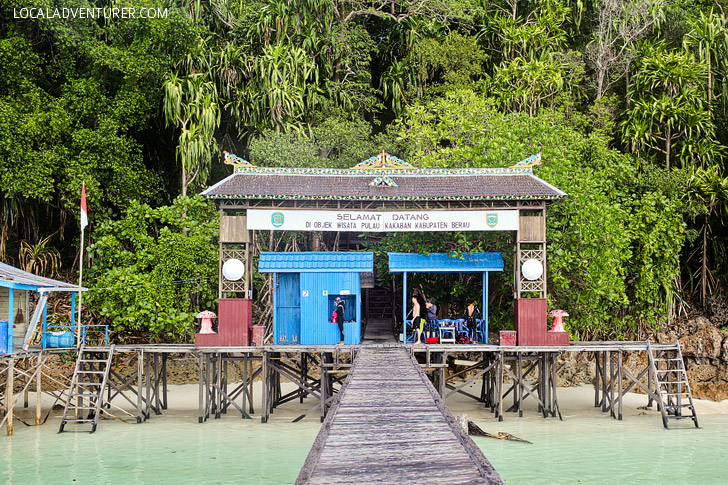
(670, 380)
(85, 395)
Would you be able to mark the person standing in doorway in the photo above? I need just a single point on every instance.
(340, 317)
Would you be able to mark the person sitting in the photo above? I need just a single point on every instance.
(431, 317)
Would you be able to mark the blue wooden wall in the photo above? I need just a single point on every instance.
(287, 302)
(316, 308)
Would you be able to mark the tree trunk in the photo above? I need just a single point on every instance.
(704, 265)
(184, 181)
(668, 146)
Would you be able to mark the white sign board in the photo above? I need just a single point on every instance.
(382, 221)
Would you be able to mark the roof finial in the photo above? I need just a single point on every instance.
(531, 161)
(384, 161)
(234, 160)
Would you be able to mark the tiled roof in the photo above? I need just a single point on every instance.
(312, 262)
(11, 277)
(445, 262)
(435, 184)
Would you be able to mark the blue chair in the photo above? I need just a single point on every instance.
(462, 328)
(411, 332)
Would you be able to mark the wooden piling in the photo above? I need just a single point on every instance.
(9, 398)
(38, 394)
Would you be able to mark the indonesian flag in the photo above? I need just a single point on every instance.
(84, 214)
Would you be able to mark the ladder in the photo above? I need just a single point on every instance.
(672, 389)
(85, 395)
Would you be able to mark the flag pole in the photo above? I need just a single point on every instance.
(84, 223)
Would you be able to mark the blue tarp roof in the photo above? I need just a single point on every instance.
(316, 262)
(445, 262)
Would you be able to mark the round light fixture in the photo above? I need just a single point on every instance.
(532, 269)
(233, 269)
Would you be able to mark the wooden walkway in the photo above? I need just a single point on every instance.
(389, 425)
(378, 331)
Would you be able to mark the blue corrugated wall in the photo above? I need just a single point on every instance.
(316, 308)
(287, 318)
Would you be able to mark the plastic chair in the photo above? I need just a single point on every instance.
(461, 328)
(446, 331)
(411, 332)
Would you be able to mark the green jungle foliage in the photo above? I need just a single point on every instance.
(627, 100)
(154, 269)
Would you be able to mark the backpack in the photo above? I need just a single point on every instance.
(333, 316)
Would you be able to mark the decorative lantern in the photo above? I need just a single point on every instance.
(558, 325)
(532, 269)
(233, 269)
(206, 316)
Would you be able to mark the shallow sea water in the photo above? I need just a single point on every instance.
(587, 447)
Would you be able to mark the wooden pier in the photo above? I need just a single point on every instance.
(507, 377)
(389, 424)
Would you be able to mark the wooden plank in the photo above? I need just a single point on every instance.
(366, 436)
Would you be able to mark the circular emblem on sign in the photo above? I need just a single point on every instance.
(276, 219)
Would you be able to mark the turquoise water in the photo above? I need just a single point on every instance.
(591, 448)
(599, 449)
(162, 450)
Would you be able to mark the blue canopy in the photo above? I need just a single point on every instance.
(445, 262)
(316, 262)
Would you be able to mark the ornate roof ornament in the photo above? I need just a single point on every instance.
(531, 161)
(235, 161)
(384, 161)
(383, 181)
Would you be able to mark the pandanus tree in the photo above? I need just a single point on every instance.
(708, 39)
(191, 105)
(710, 188)
(668, 106)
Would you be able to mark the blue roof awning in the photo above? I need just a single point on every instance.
(316, 262)
(445, 262)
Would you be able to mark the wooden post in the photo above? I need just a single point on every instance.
(500, 387)
(148, 371)
(218, 385)
(611, 384)
(250, 382)
(619, 376)
(264, 396)
(520, 385)
(38, 389)
(245, 383)
(9, 384)
(604, 381)
(164, 381)
(26, 393)
(596, 379)
(140, 380)
(201, 388)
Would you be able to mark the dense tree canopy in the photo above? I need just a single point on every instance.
(627, 101)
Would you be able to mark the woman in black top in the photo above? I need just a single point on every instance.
(340, 317)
